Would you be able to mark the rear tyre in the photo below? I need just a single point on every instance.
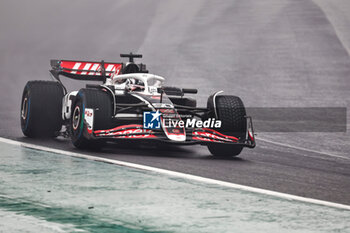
(231, 112)
(41, 109)
(101, 102)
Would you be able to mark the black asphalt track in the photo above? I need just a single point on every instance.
(272, 53)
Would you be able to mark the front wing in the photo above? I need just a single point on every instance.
(193, 135)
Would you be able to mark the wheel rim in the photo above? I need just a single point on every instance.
(76, 117)
(24, 111)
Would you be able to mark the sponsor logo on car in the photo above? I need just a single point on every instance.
(151, 120)
(191, 123)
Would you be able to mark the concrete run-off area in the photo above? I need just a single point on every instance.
(51, 192)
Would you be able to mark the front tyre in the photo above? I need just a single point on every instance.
(231, 112)
(41, 109)
(101, 103)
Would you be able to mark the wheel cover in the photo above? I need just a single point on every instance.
(76, 117)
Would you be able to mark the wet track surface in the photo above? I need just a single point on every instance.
(50, 192)
(289, 53)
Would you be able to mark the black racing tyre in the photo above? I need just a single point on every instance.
(231, 112)
(184, 101)
(41, 109)
(101, 102)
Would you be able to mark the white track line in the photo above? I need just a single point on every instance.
(304, 149)
(181, 175)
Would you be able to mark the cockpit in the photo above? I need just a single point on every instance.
(137, 82)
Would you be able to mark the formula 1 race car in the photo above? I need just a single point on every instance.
(131, 104)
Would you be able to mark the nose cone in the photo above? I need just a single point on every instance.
(174, 128)
(177, 137)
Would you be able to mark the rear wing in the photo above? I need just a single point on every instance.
(84, 70)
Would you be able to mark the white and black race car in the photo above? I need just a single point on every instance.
(131, 104)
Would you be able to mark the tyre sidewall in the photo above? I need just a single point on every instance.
(77, 134)
(25, 121)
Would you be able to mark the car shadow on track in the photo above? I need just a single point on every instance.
(150, 150)
(165, 151)
(118, 149)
